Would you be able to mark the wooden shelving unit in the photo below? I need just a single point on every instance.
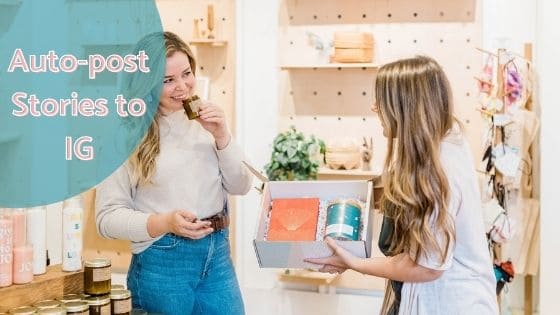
(357, 174)
(208, 42)
(52, 285)
(331, 66)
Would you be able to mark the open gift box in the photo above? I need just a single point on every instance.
(291, 254)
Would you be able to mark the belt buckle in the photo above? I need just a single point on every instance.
(219, 221)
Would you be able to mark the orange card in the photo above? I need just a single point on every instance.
(293, 219)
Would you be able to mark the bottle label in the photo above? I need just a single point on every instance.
(101, 274)
(122, 306)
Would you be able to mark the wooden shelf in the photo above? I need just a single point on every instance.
(331, 66)
(52, 285)
(327, 173)
(208, 42)
(307, 277)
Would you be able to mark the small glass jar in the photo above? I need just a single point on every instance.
(121, 302)
(52, 311)
(77, 308)
(192, 106)
(97, 276)
(47, 304)
(99, 305)
(117, 287)
(343, 219)
(24, 310)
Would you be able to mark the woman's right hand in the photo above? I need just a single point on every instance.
(179, 222)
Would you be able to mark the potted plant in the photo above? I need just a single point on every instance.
(295, 157)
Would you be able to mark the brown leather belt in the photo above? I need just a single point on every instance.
(218, 221)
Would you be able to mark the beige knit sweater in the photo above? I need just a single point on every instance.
(191, 174)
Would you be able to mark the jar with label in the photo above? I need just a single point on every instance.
(99, 305)
(97, 276)
(77, 308)
(47, 304)
(117, 287)
(121, 302)
(24, 310)
(343, 219)
(52, 311)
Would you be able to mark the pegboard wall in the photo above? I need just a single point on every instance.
(216, 62)
(335, 101)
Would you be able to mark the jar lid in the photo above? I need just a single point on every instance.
(71, 298)
(120, 294)
(352, 202)
(117, 287)
(53, 311)
(76, 306)
(47, 304)
(98, 262)
(24, 310)
(98, 300)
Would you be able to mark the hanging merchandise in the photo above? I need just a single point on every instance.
(504, 273)
(513, 85)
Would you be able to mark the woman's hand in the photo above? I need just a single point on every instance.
(338, 262)
(213, 119)
(179, 222)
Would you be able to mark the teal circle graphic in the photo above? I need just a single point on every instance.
(79, 87)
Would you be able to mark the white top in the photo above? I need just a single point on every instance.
(468, 285)
(191, 174)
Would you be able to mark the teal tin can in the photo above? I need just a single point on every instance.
(343, 220)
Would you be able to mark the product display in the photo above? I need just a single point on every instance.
(343, 220)
(293, 219)
(192, 106)
(343, 153)
(121, 302)
(72, 221)
(97, 276)
(37, 237)
(99, 305)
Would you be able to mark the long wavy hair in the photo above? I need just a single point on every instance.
(143, 159)
(415, 105)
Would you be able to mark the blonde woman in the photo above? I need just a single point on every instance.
(169, 199)
(437, 258)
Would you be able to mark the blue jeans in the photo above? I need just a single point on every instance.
(178, 276)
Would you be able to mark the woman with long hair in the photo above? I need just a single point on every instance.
(170, 198)
(433, 236)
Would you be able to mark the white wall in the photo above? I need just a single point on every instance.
(548, 67)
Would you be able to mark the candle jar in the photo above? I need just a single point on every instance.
(77, 308)
(37, 237)
(99, 305)
(343, 219)
(52, 311)
(23, 264)
(23, 310)
(47, 304)
(192, 106)
(6, 241)
(97, 276)
(121, 302)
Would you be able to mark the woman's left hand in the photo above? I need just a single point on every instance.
(213, 119)
(338, 262)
